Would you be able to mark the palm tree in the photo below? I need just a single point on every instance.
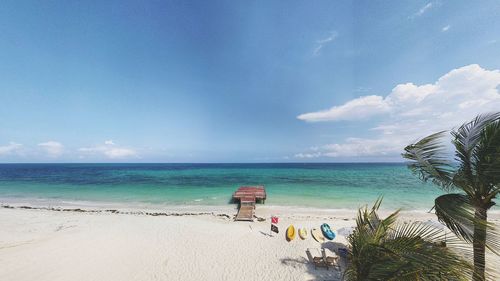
(475, 174)
(383, 249)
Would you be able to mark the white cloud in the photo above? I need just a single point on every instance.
(412, 111)
(110, 150)
(53, 148)
(445, 28)
(308, 155)
(356, 147)
(423, 9)
(355, 109)
(320, 44)
(10, 148)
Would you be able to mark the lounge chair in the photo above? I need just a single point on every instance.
(316, 257)
(331, 258)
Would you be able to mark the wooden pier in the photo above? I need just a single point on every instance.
(248, 196)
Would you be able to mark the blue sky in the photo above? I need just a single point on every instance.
(240, 81)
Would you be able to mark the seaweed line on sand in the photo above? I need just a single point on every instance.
(114, 211)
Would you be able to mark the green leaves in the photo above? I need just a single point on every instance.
(457, 213)
(477, 152)
(476, 172)
(486, 157)
(476, 143)
(429, 160)
(383, 249)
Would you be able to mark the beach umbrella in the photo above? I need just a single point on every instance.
(345, 231)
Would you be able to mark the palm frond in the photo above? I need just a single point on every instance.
(466, 139)
(457, 213)
(469, 133)
(430, 161)
(401, 251)
(476, 172)
(419, 245)
(486, 157)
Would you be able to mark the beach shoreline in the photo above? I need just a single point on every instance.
(230, 209)
(37, 202)
(91, 243)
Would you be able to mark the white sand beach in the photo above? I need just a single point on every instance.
(70, 245)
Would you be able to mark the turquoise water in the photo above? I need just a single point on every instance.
(333, 186)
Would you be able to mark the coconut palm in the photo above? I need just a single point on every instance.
(474, 173)
(383, 249)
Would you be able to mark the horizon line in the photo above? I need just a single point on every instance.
(340, 162)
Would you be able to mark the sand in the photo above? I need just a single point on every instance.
(70, 245)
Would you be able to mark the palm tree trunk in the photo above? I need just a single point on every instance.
(479, 243)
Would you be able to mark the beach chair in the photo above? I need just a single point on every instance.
(316, 258)
(343, 252)
(331, 258)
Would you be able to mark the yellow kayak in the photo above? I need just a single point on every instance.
(303, 233)
(317, 235)
(290, 233)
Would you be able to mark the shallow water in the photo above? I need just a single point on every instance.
(335, 186)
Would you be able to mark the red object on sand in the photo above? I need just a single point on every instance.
(274, 220)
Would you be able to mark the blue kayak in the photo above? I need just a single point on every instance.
(327, 232)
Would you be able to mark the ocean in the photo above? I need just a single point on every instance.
(317, 185)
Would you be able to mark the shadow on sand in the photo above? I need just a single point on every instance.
(319, 274)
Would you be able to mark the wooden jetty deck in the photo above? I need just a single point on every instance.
(248, 196)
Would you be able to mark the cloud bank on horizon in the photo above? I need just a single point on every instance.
(410, 112)
(54, 150)
(109, 150)
(10, 148)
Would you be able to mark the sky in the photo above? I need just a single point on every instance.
(240, 81)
